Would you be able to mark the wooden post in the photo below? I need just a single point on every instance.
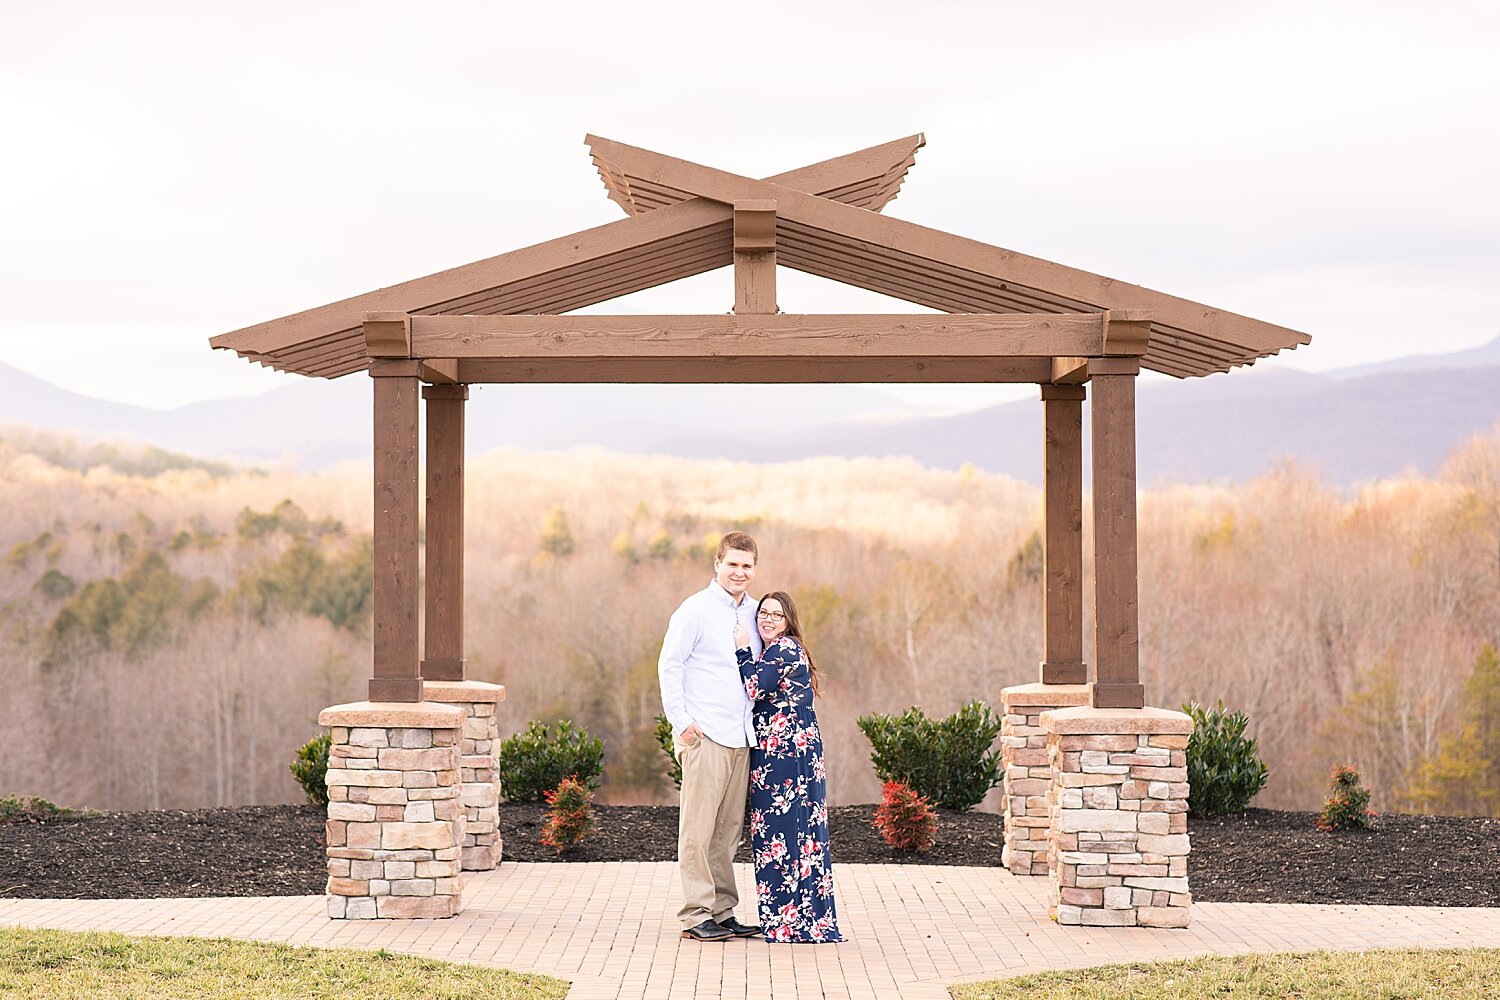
(397, 676)
(443, 658)
(754, 257)
(1116, 613)
(1062, 548)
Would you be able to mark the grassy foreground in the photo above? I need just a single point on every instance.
(1459, 974)
(56, 964)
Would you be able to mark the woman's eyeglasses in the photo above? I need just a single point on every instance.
(770, 616)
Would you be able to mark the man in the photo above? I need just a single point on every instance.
(712, 730)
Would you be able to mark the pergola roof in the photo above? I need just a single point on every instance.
(827, 224)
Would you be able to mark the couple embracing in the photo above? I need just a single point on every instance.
(737, 684)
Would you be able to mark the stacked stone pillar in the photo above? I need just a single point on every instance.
(1118, 803)
(479, 768)
(395, 819)
(1028, 770)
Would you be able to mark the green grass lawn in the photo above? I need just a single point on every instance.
(1459, 974)
(55, 964)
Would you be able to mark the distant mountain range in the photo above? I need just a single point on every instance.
(1354, 424)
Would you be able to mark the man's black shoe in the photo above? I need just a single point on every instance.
(738, 929)
(708, 931)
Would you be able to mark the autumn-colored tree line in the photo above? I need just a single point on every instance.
(169, 632)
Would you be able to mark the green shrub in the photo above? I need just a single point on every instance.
(311, 768)
(664, 738)
(1224, 768)
(30, 809)
(1348, 804)
(951, 762)
(537, 759)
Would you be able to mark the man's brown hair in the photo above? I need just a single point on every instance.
(736, 540)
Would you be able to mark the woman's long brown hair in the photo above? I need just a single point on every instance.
(793, 629)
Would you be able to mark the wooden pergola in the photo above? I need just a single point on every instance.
(1008, 318)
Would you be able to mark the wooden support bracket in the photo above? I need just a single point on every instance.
(1114, 366)
(396, 368)
(440, 370)
(755, 225)
(1127, 332)
(1069, 371)
(754, 256)
(388, 334)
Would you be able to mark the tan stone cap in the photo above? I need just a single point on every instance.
(1115, 721)
(1045, 694)
(403, 715)
(462, 691)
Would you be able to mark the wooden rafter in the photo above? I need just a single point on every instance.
(867, 179)
(593, 266)
(823, 222)
(683, 222)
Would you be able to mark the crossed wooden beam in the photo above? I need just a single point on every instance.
(661, 242)
(754, 344)
(686, 218)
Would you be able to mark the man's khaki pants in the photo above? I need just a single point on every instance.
(715, 783)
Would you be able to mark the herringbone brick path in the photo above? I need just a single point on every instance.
(913, 929)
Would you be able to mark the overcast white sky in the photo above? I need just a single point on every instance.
(173, 171)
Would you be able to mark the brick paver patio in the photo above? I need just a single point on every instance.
(609, 929)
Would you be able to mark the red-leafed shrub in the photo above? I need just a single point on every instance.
(572, 815)
(905, 819)
(1348, 807)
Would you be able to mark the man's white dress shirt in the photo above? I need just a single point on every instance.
(700, 678)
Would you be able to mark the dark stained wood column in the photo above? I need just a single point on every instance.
(443, 658)
(1062, 536)
(397, 677)
(1116, 612)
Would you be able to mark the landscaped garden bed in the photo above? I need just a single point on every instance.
(1260, 856)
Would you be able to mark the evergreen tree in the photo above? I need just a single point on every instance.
(1462, 776)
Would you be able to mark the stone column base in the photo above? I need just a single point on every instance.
(479, 777)
(1118, 802)
(395, 820)
(1028, 774)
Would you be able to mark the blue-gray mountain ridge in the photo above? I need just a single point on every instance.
(1354, 424)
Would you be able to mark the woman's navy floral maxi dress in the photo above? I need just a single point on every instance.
(788, 798)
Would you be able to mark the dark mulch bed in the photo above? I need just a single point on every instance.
(1265, 856)
(1262, 856)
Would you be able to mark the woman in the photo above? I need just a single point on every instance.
(788, 793)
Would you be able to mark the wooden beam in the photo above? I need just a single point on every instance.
(396, 368)
(396, 675)
(867, 179)
(781, 336)
(1070, 371)
(443, 653)
(387, 334)
(697, 369)
(650, 233)
(1062, 539)
(1127, 331)
(1114, 366)
(440, 371)
(881, 232)
(1116, 588)
(754, 257)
